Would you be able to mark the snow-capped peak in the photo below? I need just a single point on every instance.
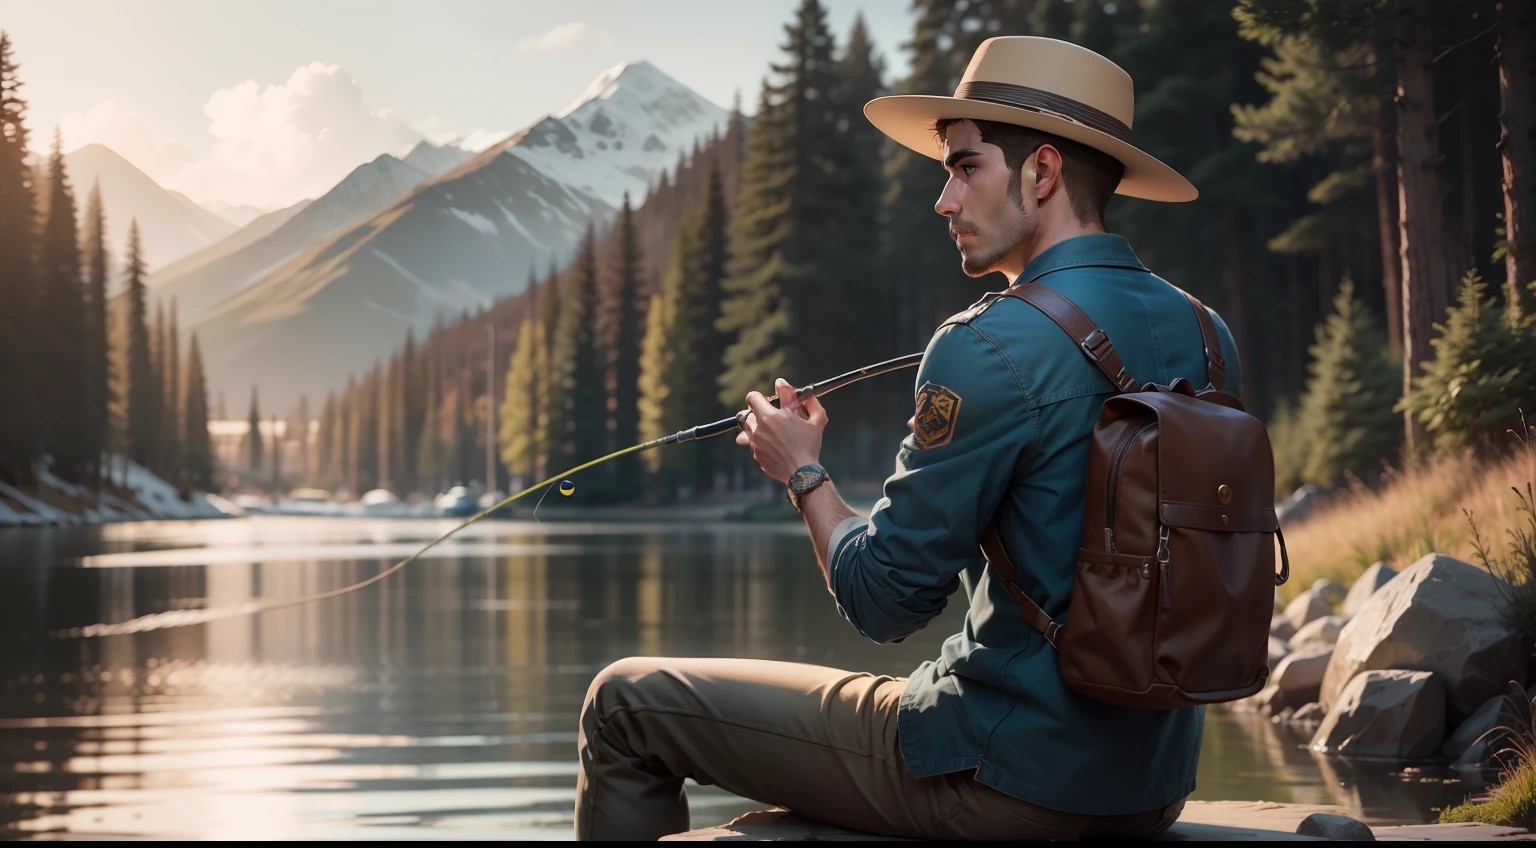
(627, 126)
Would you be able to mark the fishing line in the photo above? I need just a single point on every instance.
(187, 617)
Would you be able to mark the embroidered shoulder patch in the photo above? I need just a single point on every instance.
(937, 409)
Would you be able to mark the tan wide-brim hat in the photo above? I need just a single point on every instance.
(1044, 84)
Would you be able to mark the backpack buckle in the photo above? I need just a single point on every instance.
(1214, 358)
(1050, 634)
(1095, 343)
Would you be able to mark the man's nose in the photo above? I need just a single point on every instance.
(948, 204)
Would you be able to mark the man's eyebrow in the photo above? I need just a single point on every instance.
(963, 153)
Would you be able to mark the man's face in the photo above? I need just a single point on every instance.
(988, 221)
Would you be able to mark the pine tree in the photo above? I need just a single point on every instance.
(19, 433)
(170, 385)
(1482, 375)
(414, 411)
(253, 440)
(682, 353)
(157, 379)
(97, 387)
(578, 428)
(143, 419)
(785, 250)
(325, 444)
(551, 418)
(519, 436)
(1346, 413)
(623, 326)
(197, 449)
(61, 321)
(659, 411)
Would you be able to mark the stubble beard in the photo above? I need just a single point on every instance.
(1013, 226)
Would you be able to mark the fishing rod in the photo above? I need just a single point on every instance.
(186, 617)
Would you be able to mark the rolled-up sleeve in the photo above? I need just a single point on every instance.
(895, 572)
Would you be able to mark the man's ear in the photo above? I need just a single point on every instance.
(1046, 162)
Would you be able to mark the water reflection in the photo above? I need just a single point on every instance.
(440, 702)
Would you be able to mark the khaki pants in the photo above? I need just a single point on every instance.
(818, 741)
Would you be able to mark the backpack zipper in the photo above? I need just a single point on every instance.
(1114, 484)
(1162, 565)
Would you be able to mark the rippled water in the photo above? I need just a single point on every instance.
(443, 701)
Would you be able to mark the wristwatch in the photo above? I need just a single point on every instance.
(805, 478)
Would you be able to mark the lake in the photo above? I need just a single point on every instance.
(442, 701)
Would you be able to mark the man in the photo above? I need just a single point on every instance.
(986, 742)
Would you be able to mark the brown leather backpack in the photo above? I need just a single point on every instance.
(1175, 581)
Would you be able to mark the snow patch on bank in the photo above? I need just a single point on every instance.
(59, 502)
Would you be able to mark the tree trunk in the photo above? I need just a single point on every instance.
(1467, 164)
(1428, 265)
(1233, 272)
(1386, 218)
(1517, 145)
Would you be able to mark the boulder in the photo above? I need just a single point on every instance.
(1472, 743)
(1281, 627)
(1300, 504)
(1309, 714)
(1333, 591)
(1267, 702)
(1365, 586)
(1299, 676)
(1308, 606)
(1342, 828)
(1278, 648)
(1322, 631)
(1395, 714)
(1439, 615)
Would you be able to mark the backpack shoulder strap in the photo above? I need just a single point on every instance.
(1215, 365)
(1034, 616)
(1076, 323)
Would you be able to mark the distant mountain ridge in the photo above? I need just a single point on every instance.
(170, 225)
(453, 244)
(200, 282)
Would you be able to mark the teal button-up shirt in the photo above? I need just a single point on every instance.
(1010, 438)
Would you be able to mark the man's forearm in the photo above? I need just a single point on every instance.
(824, 509)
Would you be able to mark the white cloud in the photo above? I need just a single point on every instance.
(273, 145)
(565, 36)
(279, 143)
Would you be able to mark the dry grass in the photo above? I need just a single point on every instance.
(1414, 512)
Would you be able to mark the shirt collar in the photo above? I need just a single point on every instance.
(1095, 249)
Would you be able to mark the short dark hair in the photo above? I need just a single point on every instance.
(1091, 175)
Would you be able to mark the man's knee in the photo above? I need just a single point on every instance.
(616, 686)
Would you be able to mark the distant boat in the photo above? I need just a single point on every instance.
(383, 502)
(308, 502)
(458, 501)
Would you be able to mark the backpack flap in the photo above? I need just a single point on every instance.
(1216, 552)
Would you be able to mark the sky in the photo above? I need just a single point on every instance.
(265, 102)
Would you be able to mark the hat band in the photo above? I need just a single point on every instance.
(1036, 100)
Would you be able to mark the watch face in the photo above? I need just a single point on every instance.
(800, 479)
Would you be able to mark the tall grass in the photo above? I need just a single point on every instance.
(1513, 801)
(1418, 510)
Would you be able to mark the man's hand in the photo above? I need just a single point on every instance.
(785, 438)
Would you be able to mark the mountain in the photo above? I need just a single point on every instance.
(437, 159)
(239, 215)
(618, 135)
(206, 279)
(453, 244)
(172, 226)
